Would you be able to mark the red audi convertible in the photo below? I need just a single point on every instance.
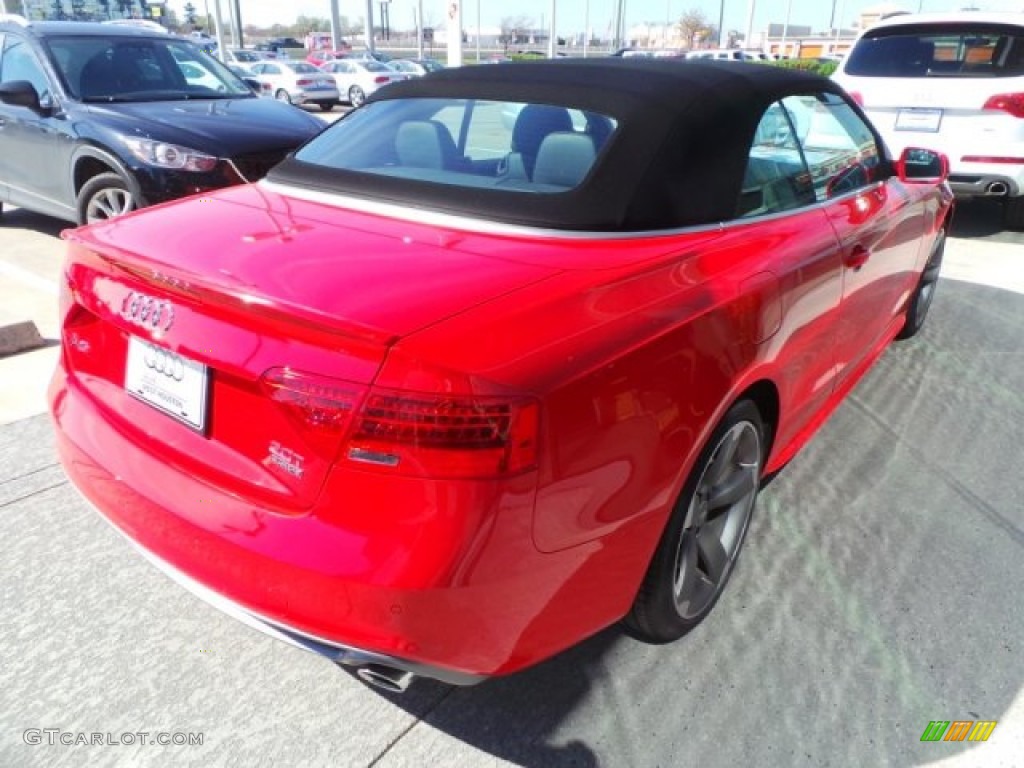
(497, 360)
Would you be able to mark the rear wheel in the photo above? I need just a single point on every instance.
(921, 301)
(1013, 212)
(282, 95)
(702, 541)
(356, 97)
(104, 196)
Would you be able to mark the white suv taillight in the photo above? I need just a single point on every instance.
(1007, 102)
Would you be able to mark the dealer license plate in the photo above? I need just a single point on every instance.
(926, 120)
(167, 381)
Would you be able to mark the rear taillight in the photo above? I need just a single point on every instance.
(381, 79)
(320, 408)
(441, 435)
(857, 98)
(303, 83)
(1007, 102)
(410, 433)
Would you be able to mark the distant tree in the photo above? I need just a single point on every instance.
(78, 12)
(124, 6)
(512, 27)
(306, 24)
(691, 24)
(58, 10)
(190, 14)
(104, 6)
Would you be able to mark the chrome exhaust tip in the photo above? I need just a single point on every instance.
(384, 677)
(997, 189)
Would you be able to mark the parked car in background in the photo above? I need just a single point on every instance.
(358, 78)
(297, 82)
(442, 398)
(415, 67)
(365, 55)
(260, 88)
(317, 58)
(97, 120)
(245, 58)
(955, 82)
(278, 44)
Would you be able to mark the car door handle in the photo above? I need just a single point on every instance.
(857, 257)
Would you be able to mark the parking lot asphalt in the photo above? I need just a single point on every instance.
(879, 590)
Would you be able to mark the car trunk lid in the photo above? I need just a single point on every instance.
(239, 351)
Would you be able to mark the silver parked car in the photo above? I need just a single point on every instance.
(297, 83)
(416, 67)
(358, 78)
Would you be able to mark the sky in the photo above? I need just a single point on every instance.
(570, 14)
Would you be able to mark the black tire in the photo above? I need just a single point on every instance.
(704, 535)
(326, 106)
(921, 301)
(282, 95)
(105, 196)
(356, 96)
(1013, 213)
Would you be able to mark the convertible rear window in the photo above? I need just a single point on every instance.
(940, 50)
(477, 144)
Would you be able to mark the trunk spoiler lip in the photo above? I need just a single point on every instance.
(237, 298)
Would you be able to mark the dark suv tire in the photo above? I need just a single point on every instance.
(103, 197)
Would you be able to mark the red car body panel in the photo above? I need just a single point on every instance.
(631, 348)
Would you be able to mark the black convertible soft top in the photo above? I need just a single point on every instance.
(676, 159)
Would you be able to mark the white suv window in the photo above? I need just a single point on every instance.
(931, 51)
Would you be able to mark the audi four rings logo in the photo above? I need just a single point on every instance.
(147, 312)
(162, 361)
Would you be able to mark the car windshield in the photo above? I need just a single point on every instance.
(302, 67)
(118, 68)
(496, 145)
(375, 66)
(937, 50)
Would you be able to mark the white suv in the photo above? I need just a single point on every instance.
(953, 82)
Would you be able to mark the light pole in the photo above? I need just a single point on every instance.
(750, 26)
(721, 21)
(586, 28)
(368, 27)
(785, 27)
(552, 40)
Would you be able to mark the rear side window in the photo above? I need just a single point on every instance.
(486, 145)
(940, 51)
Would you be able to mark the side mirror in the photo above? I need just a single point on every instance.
(922, 166)
(20, 93)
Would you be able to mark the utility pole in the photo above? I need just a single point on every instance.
(721, 22)
(455, 33)
(552, 39)
(239, 39)
(218, 25)
(335, 26)
(368, 31)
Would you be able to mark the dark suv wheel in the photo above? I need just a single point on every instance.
(104, 197)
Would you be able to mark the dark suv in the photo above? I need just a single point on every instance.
(96, 120)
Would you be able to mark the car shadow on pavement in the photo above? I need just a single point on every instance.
(978, 219)
(19, 218)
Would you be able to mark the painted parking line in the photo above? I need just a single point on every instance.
(29, 278)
